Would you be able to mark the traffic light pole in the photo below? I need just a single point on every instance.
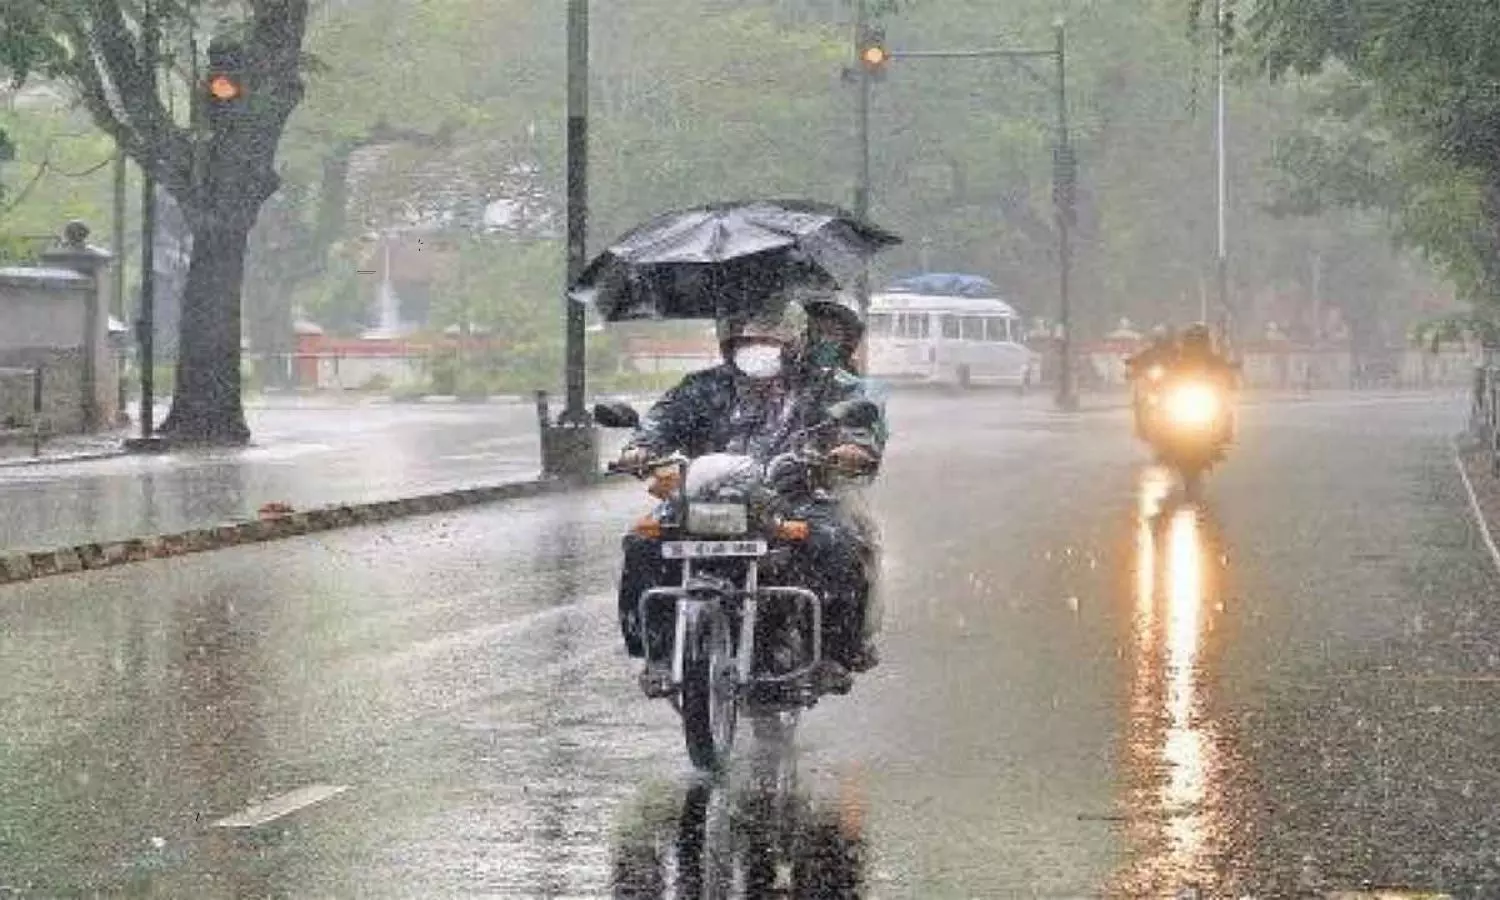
(1064, 177)
(862, 125)
(862, 180)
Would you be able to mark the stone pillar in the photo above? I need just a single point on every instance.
(100, 374)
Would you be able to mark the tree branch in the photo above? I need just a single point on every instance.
(117, 51)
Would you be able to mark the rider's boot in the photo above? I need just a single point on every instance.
(656, 680)
(865, 657)
(831, 677)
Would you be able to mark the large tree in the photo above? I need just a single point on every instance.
(220, 168)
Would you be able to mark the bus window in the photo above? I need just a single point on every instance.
(880, 324)
(950, 327)
(997, 330)
(924, 326)
(973, 328)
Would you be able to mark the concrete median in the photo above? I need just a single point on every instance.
(27, 566)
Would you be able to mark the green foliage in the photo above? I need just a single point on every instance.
(61, 171)
(747, 99)
(1413, 130)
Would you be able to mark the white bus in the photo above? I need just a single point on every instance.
(960, 341)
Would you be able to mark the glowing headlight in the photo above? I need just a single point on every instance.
(717, 519)
(1155, 373)
(1193, 405)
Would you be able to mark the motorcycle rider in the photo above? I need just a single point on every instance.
(1160, 350)
(834, 333)
(1197, 352)
(828, 354)
(753, 403)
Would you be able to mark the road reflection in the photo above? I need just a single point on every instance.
(1175, 816)
(723, 841)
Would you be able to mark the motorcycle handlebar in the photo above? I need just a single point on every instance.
(643, 469)
(824, 461)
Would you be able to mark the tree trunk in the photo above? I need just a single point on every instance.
(206, 405)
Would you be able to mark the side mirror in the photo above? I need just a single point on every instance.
(854, 413)
(616, 415)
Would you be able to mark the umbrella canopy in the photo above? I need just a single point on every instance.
(726, 259)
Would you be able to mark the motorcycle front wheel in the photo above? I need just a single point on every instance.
(710, 702)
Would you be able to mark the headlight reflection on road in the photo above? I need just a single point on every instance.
(1186, 747)
(1172, 768)
(1155, 486)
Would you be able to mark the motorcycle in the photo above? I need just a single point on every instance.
(1187, 416)
(737, 645)
(1145, 387)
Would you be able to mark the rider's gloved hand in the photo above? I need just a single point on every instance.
(633, 459)
(852, 456)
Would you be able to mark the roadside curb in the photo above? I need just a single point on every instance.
(89, 456)
(322, 405)
(17, 567)
(1475, 507)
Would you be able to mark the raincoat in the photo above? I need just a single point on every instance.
(717, 411)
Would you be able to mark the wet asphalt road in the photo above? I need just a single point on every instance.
(1088, 690)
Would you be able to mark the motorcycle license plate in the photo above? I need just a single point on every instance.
(711, 549)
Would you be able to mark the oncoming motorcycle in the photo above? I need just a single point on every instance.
(738, 645)
(1187, 419)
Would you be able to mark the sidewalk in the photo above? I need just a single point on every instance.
(73, 448)
(304, 457)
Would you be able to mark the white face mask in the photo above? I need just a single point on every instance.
(758, 360)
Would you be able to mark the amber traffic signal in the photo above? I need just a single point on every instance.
(873, 55)
(225, 82)
(224, 88)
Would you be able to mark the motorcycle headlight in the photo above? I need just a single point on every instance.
(718, 519)
(1193, 405)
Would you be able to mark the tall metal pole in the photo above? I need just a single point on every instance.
(1222, 257)
(862, 114)
(117, 304)
(1063, 183)
(862, 181)
(146, 325)
(577, 187)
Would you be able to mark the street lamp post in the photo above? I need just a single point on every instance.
(570, 446)
(1064, 171)
(117, 302)
(146, 324)
(1221, 268)
(1064, 177)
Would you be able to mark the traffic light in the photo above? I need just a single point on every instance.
(224, 88)
(225, 82)
(873, 54)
